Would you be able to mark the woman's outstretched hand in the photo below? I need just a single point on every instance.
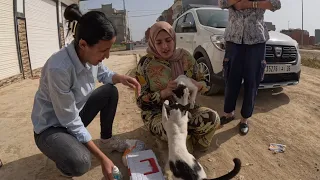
(127, 81)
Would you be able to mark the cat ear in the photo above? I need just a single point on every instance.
(168, 108)
(164, 110)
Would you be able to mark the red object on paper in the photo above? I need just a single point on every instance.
(153, 164)
(143, 165)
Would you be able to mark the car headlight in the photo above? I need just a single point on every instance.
(219, 42)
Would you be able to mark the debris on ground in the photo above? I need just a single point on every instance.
(277, 148)
(0, 163)
(249, 164)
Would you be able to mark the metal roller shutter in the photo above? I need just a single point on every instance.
(9, 63)
(42, 30)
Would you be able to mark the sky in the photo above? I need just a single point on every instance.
(290, 15)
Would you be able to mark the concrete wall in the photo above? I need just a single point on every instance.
(317, 34)
(296, 35)
(185, 3)
(118, 18)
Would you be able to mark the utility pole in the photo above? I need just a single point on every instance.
(124, 5)
(302, 34)
(127, 25)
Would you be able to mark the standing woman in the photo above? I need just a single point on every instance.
(246, 37)
(67, 101)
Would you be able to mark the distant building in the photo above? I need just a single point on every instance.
(317, 35)
(186, 3)
(161, 18)
(166, 15)
(176, 8)
(146, 34)
(296, 35)
(270, 26)
(182, 5)
(312, 40)
(120, 20)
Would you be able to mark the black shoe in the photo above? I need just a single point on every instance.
(225, 120)
(244, 128)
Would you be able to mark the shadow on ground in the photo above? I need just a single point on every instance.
(266, 100)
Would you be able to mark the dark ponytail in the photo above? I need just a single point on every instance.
(91, 27)
(72, 13)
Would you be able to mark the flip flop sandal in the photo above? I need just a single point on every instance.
(244, 128)
(225, 120)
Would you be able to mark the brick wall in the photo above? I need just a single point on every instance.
(62, 40)
(24, 48)
(24, 55)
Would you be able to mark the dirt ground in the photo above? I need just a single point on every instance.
(288, 116)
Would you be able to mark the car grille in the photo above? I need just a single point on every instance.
(285, 77)
(281, 54)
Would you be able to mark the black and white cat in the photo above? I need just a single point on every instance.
(184, 81)
(183, 165)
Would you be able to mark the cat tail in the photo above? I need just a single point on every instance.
(233, 173)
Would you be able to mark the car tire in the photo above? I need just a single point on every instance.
(214, 89)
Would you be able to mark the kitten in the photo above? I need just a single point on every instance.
(183, 165)
(182, 82)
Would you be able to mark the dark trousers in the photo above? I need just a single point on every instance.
(72, 158)
(245, 62)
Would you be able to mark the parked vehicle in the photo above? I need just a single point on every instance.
(200, 31)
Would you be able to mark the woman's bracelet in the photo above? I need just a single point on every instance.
(255, 4)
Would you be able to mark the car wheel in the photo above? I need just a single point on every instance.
(206, 68)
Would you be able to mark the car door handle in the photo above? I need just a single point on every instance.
(181, 37)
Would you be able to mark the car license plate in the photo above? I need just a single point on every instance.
(273, 69)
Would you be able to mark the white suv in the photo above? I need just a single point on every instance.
(200, 31)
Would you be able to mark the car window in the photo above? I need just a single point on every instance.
(190, 19)
(213, 18)
(178, 28)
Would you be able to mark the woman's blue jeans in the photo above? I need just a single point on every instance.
(243, 62)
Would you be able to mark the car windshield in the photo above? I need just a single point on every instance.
(213, 17)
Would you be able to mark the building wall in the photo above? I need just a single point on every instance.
(204, 2)
(170, 16)
(312, 40)
(270, 26)
(176, 8)
(296, 35)
(146, 34)
(22, 41)
(317, 34)
(119, 19)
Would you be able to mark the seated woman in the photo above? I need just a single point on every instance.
(156, 72)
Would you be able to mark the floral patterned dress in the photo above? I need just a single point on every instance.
(153, 75)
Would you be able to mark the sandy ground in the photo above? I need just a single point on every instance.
(289, 116)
